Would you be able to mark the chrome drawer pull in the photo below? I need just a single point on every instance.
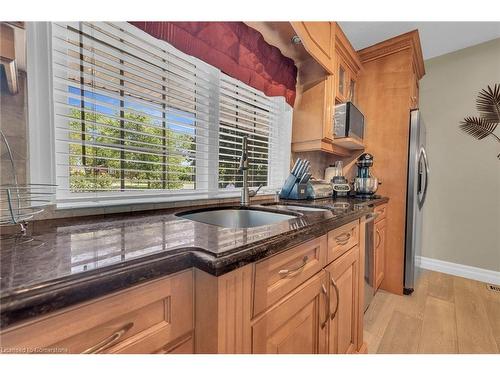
(108, 341)
(343, 238)
(327, 306)
(379, 239)
(337, 295)
(298, 268)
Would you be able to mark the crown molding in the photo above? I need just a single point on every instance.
(409, 40)
(345, 49)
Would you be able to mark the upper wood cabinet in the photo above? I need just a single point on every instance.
(318, 91)
(414, 92)
(318, 39)
(347, 69)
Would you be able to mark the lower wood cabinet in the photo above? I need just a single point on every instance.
(300, 301)
(343, 277)
(149, 318)
(296, 325)
(379, 252)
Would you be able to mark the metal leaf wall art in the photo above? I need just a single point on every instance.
(488, 106)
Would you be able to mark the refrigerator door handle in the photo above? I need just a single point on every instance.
(422, 195)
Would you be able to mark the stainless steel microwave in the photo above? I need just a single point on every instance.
(348, 122)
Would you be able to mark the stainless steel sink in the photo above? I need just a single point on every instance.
(303, 208)
(296, 207)
(236, 218)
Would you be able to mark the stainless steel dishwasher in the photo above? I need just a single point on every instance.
(369, 258)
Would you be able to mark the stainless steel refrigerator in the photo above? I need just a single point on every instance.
(418, 183)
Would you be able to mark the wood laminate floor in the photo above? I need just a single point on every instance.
(445, 314)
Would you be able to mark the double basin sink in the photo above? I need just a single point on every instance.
(247, 217)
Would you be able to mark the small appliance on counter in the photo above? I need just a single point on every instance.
(297, 184)
(300, 185)
(335, 175)
(318, 189)
(348, 122)
(365, 185)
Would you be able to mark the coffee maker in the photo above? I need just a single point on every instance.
(365, 185)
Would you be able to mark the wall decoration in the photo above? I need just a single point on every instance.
(488, 106)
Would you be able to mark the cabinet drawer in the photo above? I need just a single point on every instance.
(276, 276)
(342, 239)
(381, 211)
(142, 319)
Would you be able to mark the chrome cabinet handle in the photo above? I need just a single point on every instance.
(379, 239)
(327, 306)
(332, 316)
(344, 239)
(108, 341)
(298, 268)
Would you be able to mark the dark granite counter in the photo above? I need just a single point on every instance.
(74, 260)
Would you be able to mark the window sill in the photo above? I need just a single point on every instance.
(151, 202)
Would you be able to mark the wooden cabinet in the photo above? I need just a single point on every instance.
(8, 56)
(343, 276)
(317, 38)
(292, 302)
(310, 307)
(278, 275)
(313, 116)
(319, 91)
(391, 70)
(414, 92)
(379, 252)
(342, 239)
(296, 325)
(347, 69)
(379, 245)
(142, 319)
(345, 83)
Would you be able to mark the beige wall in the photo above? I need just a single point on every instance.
(462, 213)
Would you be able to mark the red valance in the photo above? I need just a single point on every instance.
(234, 48)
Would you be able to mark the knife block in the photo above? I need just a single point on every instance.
(298, 191)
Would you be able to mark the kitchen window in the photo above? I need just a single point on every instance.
(136, 119)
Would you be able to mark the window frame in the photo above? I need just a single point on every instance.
(43, 145)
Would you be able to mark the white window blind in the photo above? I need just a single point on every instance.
(134, 116)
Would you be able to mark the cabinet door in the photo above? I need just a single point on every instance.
(342, 81)
(297, 324)
(344, 304)
(318, 39)
(379, 252)
(140, 320)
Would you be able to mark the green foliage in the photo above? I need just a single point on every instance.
(135, 153)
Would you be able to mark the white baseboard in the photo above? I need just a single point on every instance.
(469, 272)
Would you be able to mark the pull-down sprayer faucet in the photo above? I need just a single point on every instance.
(246, 194)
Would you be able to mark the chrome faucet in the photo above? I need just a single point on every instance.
(246, 194)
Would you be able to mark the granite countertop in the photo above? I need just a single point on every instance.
(71, 261)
